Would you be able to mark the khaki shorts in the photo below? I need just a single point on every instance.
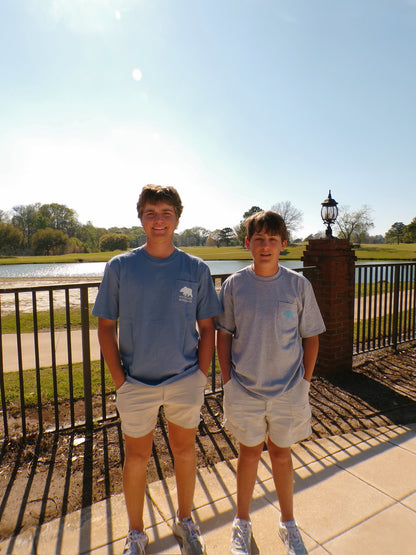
(285, 418)
(138, 405)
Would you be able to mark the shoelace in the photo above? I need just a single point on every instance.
(294, 537)
(192, 529)
(137, 536)
(241, 531)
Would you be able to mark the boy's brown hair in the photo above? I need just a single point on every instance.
(268, 222)
(159, 193)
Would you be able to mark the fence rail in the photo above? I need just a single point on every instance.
(384, 306)
(52, 374)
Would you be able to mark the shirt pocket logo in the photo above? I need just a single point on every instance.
(288, 314)
(185, 295)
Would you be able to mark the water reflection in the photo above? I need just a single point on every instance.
(96, 269)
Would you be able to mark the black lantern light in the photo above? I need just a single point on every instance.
(329, 213)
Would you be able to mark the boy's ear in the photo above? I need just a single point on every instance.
(247, 242)
(284, 245)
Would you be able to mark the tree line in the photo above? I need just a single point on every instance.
(54, 228)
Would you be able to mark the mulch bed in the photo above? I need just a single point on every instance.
(50, 475)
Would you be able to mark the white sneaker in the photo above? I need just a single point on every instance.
(189, 536)
(136, 543)
(290, 536)
(240, 537)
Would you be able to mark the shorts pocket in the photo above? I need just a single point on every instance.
(122, 386)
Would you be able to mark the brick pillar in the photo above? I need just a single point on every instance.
(333, 284)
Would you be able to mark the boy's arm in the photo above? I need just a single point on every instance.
(224, 341)
(310, 354)
(206, 343)
(107, 337)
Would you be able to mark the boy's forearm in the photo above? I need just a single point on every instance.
(107, 337)
(206, 343)
(224, 341)
(310, 355)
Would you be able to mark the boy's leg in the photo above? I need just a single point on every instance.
(182, 443)
(137, 454)
(248, 460)
(282, 468)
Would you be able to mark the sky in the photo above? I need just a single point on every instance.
(236, 103)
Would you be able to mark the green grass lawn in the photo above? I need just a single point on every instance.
(8, 322)
(12, 384)
(293, 252)
(401, 252)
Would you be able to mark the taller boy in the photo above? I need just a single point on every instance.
(162, 297)
(267, 348)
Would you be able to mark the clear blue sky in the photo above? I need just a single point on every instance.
(235, 102)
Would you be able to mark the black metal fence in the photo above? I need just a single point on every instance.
(385, 305)
(53, 377)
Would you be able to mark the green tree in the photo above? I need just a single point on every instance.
(75, 245)
(113, 242)
(25, 218)
(193, 237)
(58, 216)
(395, 233)
(240, 229)
(226, 235)
(10, 238)
(137, 237)
(49, 241)
(90, 236)
(409, 235)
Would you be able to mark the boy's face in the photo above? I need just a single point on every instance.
(159, 220)
(266, 250)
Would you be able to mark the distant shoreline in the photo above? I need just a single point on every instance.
(19, 282)
(404, 252)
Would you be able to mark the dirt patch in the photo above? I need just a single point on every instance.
(47, 476)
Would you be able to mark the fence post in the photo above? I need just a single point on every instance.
(333, 283)
(396, 294)
(86, 357)
(2, 388)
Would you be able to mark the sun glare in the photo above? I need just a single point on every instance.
(136, 74)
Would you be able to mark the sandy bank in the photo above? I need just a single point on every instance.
(8, 299)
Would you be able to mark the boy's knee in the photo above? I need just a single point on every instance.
(182, 442)
(138, 449)
(250, 453)
(279, 454)
(182, 450)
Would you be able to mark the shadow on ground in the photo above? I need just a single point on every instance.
(49, 475)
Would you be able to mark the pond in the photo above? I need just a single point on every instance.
(92, 269)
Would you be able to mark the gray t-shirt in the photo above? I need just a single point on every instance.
(158, 302)
(267, 317)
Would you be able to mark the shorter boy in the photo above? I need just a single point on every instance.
(267, 348)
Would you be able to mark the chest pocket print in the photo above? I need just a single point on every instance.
(287, 316)
(185, 293)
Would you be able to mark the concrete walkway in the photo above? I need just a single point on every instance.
(354, 494)
(10, 357)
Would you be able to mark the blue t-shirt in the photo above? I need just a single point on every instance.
(157, 302)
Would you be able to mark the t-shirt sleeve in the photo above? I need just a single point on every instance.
(107, 301)
(226, 321)
(311, 321)
(208, 303)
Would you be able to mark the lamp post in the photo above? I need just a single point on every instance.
(329, 213)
